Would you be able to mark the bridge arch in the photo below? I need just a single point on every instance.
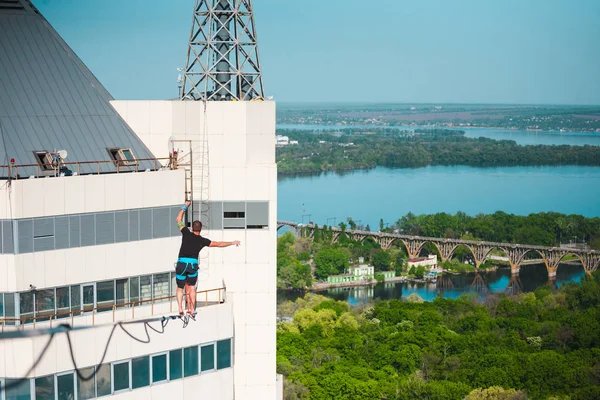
(552, 269)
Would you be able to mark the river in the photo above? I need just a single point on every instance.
(388, 193)
(530, 278)
(522, 137)
(368, 195)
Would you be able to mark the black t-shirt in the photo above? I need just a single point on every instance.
(192, 244)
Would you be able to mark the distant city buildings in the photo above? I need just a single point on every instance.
(281, 141)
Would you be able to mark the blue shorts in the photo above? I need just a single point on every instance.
(186, 271)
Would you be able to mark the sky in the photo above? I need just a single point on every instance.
(460, 51)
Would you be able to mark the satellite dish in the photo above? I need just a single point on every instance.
(63, 154)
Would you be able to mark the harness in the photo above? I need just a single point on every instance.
(193, 262)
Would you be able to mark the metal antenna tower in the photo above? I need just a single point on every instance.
(222, 59)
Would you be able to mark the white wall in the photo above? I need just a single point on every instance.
(29, 198)
(32, 198)
(241, 148)
(18, 355)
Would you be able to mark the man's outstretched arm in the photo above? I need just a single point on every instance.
(224, 244)
(179, 218)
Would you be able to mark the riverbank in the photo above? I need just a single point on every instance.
(452, 286)
(319, 286)
(320, 153)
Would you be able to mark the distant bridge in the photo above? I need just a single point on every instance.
(515, 253)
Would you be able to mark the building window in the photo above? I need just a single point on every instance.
(234, 214)
(10, 307)
(44, 388)
(175, 364)
(19, 392)
(63, 305)
(159, 368)
(103, 380)
(207, 358)
(146, 287)
(86, 389)
(224, 354)
(120, 376)
(1, 305)
(26, 306)
(140, 372)
(161, 286)
(123, 156)
(75, 297)
(122, 292)
(190, 361)
(44, 300)
(105, 293)
(88, 295)
(65, 386)
(45, 159)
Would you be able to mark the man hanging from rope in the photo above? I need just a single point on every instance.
(187, 264)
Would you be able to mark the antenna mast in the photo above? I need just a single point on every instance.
(222, 59)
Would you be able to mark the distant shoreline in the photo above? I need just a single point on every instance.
(440, 126)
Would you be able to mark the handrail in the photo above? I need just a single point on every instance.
(22, 322)
(119, 164)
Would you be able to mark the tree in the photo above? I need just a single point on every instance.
(496, 393)
(381, 225)
(330, 261)
(382, 261)
(351, 223)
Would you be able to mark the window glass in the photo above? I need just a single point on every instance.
(140, 372)
(103, 380)
(26, 306)
(86, 389)
(190, 361)
(75, 297)
(146, 287)
(122, 291)
(62, 301)
(9, 307)
(44, 302)
(207, 357)
(22, 391)
(65, 387)
(1, 304)
(173, 284)
(159, 368)
(44, 388)
(128, 155)
(134, 289)
(175, 364)
(105, 295)
(224, 354)
(121, 376)
(88, 297)
(161, 286)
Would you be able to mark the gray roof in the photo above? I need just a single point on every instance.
(49, 99)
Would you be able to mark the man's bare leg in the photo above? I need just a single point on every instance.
(192, 299)
(179, 295)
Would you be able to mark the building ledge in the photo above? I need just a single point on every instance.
(103, 315)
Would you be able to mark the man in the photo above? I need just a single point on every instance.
(187, 264)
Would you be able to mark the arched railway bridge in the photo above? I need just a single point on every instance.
(516, 253)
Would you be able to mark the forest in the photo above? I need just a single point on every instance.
(327, 152)
(539, 345)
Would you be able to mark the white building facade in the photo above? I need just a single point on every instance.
(91, 242)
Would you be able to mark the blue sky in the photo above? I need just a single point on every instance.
(460, 51)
